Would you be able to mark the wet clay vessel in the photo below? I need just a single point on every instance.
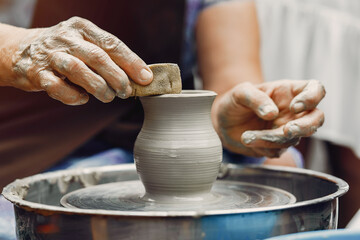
(178, 153)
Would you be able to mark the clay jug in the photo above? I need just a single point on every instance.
(177, 152)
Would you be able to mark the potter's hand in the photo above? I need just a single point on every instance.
(74, 58)
(265, 119)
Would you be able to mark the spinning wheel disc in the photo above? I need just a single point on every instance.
(130, 196)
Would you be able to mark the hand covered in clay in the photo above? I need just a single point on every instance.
(265, 119)
(72, 59)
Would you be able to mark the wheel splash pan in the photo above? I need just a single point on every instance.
(40, 216)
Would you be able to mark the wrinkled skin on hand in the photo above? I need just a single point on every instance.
(265, 119)
(74, 58)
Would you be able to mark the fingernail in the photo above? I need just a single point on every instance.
(125, 94)
(265, 110)
(298, 107)
(145, 75)
(248, 137)
(110, 94)
(313, 129)
(128, 90)
(294, 130)
(121, 95)
(83, 98)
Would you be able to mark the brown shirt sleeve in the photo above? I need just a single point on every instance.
(37, 131)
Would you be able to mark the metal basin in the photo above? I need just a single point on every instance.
(40, 216)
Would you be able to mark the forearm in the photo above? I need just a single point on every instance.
(228, 46)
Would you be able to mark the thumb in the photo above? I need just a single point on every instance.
(246, 94)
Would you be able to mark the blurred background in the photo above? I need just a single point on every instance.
(17, 12)
(320, 39)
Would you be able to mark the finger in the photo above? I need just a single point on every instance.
(273, 138)
(308, 95)
(60, 90)
(306, 125)
(99, 60)
(248, 95)
(78, 73)
(131, 63)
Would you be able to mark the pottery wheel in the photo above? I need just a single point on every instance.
(130, 196)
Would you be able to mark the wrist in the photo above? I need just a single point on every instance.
(10, 41)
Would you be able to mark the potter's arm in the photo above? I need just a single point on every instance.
(280, 112)
(68, 61)
(227, 38)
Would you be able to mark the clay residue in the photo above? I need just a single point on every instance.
(89, 178)
(19, 189)
(84, 177)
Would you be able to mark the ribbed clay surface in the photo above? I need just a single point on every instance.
(178, 151)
